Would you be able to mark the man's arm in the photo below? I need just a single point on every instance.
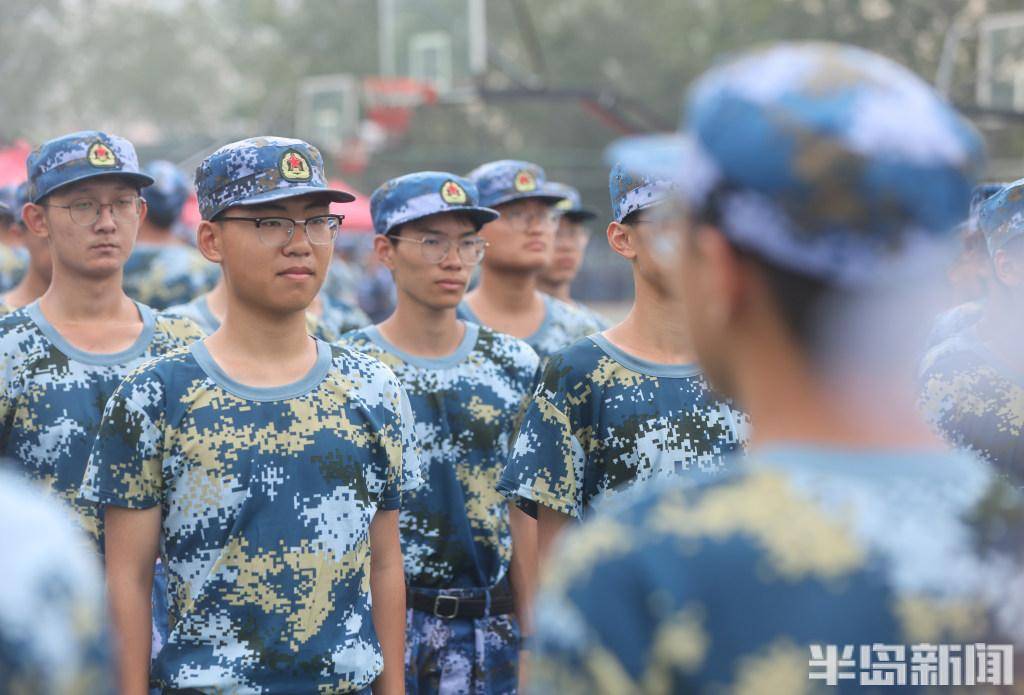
(387, 589)
(132, 542)
(523, 568)
(549, 524)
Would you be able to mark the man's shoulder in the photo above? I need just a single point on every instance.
(176, 327)
(506, 350)
(579, 322)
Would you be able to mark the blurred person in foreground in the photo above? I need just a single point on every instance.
(267, 467)
(54, 630)
(627, 404)
(819, 185)
(163, 271)
(37, 276)
(465, 564)
(972, 381)
(520, 245)
(571, 241)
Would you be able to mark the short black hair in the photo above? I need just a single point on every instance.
(802, 300)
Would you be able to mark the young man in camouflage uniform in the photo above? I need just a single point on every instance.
(37, 276)
(63, 355)
(520, 244)
(625, 405)
(466, 384)
(972, 383)
(266, 466)
(163, 270)
(570, 247)
(815, 180)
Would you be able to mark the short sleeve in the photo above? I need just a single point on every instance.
(545, 465)
(125, 467)
(402, 461)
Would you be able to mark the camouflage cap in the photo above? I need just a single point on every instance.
(1001, 215)
(825, 159)
(424, 193)
(168, 194)
(631, 192)
(79, 156)
(507, 180)
(258, 170)
(571, 204)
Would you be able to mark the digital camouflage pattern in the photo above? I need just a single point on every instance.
(473, 656)
(455, 530)
(80, 156)
(601, 420)
(259, 170)
(563, 325)
(52, 397)
(825, 159)
(266, 498)
(13, 266)
(723, 586)
(414, 196)
(507, 180)
(975, 401)
(165, 275)
(593, 317)
(1001, 215)
(338, 317)
(54, 636)
(198, 311)
(630, 192)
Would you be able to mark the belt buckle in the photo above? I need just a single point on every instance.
(445, 615)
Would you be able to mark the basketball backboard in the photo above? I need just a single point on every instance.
(442, 43)
(1001, 61)
(328, 110)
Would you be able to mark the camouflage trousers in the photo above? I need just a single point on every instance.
(467, 656)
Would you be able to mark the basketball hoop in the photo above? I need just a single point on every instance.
(389, 101)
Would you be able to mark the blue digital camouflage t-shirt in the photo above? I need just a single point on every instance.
(602, 419)
(455, 530)
(52, 396)
(266, 498)
(198, 311)
(54, 636)
(562, 325)
(13, 266)
(975, 400)
(338, 317)
(729, 585)
(165, 275)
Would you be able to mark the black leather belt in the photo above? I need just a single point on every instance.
(474, 605)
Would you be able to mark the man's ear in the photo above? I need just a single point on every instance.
(620, 238)
(35, 220)
(1009, 266)
(384, 250)
(209, 241)
(143, 209)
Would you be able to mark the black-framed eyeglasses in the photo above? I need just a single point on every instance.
(86, 211)
(279, 231)
(435, 249)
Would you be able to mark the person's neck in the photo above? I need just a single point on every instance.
(653, 330)
(789, 401)
(559, 290)
(31, 288)
(157, 236)
(422, 330)
(1003, 331)
(217, 300)
(508, 292)
(252, 334)
(85, 299)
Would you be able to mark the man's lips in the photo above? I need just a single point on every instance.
(297, 271)
(451, 284)
(536, 246)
